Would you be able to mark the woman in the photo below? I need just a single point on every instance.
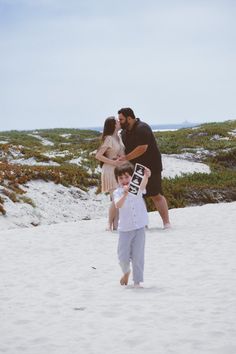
(108, 153)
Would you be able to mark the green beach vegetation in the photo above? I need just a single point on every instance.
(213, 144)
(67, 156)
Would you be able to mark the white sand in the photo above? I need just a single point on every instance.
(176, 166)
(32, 162)
(60, 292)
(43, 140)
(54, 204)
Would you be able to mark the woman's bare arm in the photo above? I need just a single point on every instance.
(138, 151)
(101, 157)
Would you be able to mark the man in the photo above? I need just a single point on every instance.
(141, 147)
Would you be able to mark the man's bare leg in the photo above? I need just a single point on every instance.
(162, 207)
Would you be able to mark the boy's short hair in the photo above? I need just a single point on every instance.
(126, 167)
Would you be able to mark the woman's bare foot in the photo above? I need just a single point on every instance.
(124, 280)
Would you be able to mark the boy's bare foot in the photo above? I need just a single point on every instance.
(124, 280)
(138, 286)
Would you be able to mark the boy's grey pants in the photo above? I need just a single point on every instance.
(131, 248)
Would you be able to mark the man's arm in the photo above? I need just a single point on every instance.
(138, 151)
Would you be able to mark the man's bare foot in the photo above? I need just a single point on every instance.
(124, 280)
(167, 226)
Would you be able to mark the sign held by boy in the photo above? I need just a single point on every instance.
(136, 179)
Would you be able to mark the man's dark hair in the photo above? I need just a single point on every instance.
(126, 167)
(127, 112)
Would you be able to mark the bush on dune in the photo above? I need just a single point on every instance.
(2, 210)
(198, 189)
(12, 176)
(192, 189)
(226, 159)
(173, 142)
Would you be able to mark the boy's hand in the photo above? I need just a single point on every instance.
(126, 190)
(147, 172)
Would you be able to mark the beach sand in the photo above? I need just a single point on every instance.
(60, 291)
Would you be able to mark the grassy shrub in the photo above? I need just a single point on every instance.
(15, 187)
(10, 195)
(35, 154)
(198, 188)
(16, 137)
(173, 142)
(62, 159)
(180, 191)
(78, 136)
(27, 200)
(80, 140)
(2, 210)
(226, 159)
(68, 174)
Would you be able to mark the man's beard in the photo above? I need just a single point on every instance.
(124, 125)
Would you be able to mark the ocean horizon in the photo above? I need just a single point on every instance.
(155, 127)
(159, 127)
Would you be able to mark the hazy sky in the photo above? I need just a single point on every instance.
(72, 63)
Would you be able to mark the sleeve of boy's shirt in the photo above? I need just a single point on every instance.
(117, 194)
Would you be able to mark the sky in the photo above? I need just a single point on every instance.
(72, 63)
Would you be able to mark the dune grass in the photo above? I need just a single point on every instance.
(197, 188)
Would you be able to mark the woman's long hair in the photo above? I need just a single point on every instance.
(108, 129)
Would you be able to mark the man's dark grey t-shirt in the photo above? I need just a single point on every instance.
(141, 134)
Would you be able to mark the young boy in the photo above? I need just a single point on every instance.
(133, 218)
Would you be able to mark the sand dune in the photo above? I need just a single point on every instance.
(55, 203)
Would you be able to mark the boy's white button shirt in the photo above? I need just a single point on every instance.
(133, 213)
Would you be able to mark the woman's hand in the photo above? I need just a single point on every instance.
(122, 158)
(117, 162)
